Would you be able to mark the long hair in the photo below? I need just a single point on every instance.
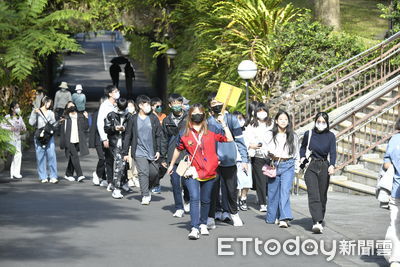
(45, 100)
(260, 107)
(325, 116)
(250, 113)
(12, 106)
(289, 131)
(65, 114)
(204, 127)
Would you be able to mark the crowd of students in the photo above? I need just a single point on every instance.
(229, 154)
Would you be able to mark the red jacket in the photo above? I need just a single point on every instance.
(206, 159)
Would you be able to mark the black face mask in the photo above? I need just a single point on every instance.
(217, 109)
(71, 109)
(197, 118)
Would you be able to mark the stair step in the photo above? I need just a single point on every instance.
(374, 164)
(362, 175)
(360, 115)
(347, 186)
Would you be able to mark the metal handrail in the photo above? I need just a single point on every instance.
(358, 57)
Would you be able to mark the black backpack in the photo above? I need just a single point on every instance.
(43, 135)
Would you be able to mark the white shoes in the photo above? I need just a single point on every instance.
(53, 180)
(218, 216)
(131, 183)
(194, 234)
(69, 178)
(317, 228)
(43, 181)
(95, 180)
(146, 200)
(186, 207)
(263, 208)
(211, 223)
(204, 230)
(16, 176)
(236, 220)
(117, 194)
(226, 216)
(103, 183)
(80, 178)
(283, 224)
(110, 187)
(179, 213)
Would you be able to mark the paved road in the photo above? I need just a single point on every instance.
(78, 224)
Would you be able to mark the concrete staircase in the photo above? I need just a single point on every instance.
(361, 178)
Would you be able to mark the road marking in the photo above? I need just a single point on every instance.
(104, 57)
(115, 51)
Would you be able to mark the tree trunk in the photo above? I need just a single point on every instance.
(328, 12)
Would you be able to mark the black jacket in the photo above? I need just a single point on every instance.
(94, 137)
(169, 137)
(131, 134)
(114, 119)
(65, 135)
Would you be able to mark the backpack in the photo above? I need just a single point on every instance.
(43, 135)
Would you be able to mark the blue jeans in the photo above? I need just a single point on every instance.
(177, 182)
(46, 156)
(199, 192)
(279, 193)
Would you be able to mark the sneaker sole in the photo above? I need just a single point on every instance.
(193, 237)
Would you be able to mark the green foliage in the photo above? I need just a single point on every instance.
(5, 139)
(392, 13)
(29, 33)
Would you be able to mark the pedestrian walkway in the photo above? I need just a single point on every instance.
(79, 224)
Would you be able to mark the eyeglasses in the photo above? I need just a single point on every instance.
(158, 106)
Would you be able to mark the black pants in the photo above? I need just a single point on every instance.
(317, 181)
(73, 161)
(260, 179)
(161, 172)
(109, 158)
(101, 163)
(115, 79)
(120, 174)
(229, 192)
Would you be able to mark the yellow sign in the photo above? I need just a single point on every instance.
(228, 94)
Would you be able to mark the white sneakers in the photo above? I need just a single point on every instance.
(179, 213)
(53, 180)
(211, 223)
(283, 224)
(146, 200)
(110, 187)
(80, 178)
(218, 216)
(69, 178)
(236, 220)
(204, 230)
(96, 179)
(226, 216)
(194, 234)
(117, 194)
(43, 181)
(16, 176)
(263, 208)
(317, 228)
(186, 207)
(103, 183)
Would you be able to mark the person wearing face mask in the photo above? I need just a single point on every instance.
(200, 143)
(133, 180)
(156, 106)
(45, 154)
(108, 106)
(79, 98)
(115, 127)
(322, 145)
(255, 131)
(73, 140)
(172, 125)
(95, 142)
(62, 97)
(143, 136)
(227, 170)
(15, 124)
(281, 147)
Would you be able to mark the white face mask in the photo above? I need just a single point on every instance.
(131, 109)
(146, 109)
(262, 115)
(242, 122)
(116, 96)
(17, 110)
(79, 91)
(321, 126)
